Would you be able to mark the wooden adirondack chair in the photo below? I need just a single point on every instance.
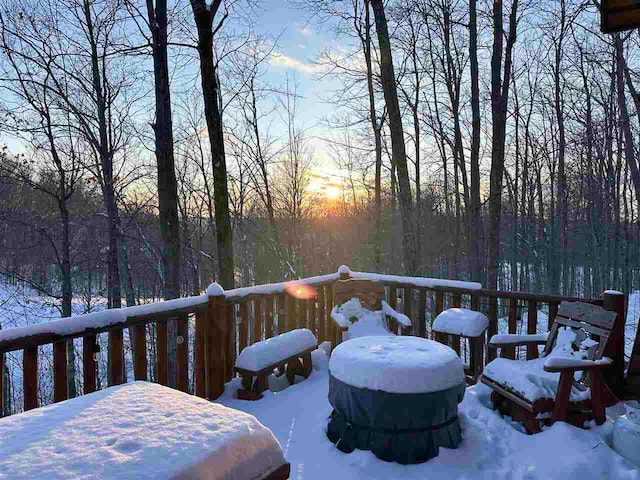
(371, 295)
(516, 383)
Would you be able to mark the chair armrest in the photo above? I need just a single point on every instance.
(568, 364)
(401, 318)
(513, 340)
(340, 319)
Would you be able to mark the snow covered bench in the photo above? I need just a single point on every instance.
(138, 430)
(291, 349)
(463, 323)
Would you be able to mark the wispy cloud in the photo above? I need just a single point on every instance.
(289, 62)
(304, 29)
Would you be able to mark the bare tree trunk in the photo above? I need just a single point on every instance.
(398, 153)
(475, 249)
(167, 184)
(204, 16)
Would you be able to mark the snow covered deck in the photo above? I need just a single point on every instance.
(492, 447)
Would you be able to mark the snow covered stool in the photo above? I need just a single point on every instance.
(463, 323)
(396, 396)
(289, 352)
(139, 430)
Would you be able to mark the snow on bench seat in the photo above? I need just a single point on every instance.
(269, 352)
(137, 430)
(461, 321)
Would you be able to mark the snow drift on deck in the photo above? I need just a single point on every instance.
(491, 449)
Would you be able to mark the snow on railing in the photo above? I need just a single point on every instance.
(102, 320)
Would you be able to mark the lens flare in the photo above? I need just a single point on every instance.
(300, 290)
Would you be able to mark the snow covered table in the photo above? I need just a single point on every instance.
(138, 430)
(395, 396)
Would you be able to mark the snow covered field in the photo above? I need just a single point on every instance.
(492, 448)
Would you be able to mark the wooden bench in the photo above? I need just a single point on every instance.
(254, 370)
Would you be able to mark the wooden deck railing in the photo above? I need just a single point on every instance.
(223, 323)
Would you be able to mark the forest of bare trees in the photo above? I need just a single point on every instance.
(153, 147)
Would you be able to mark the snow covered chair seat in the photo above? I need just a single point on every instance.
(556, 386)
(463, 323)
(360, 310)
(289, 352)
(138, 430)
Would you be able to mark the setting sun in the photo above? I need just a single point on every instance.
(332, 192)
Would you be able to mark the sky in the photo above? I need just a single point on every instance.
(300, 40)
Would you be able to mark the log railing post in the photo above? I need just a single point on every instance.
(614, 376)
(229, 349)
(216, 338)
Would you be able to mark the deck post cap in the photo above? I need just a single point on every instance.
(215, 290)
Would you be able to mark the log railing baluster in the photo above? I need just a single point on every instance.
(408, 308)
(510, 352)
(30, 377)
(492, 314)
(60, 391)
(2, 412)
(140, 352)
(116, 357)
(89, 363)
(229, 340)
(322, 331)
(332, 331)
(182, 354)
(457, 300)
(313, 311)
(532, 328)
(268, 317)
(162, 353)
(553, 311)
(243, 327)
(422, 312)
(282, 314)
(257, 319)
(199, 377)
(290, 323)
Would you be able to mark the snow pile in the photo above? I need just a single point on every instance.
(492, 447)
(529, 379)
(513, 338)
(396, 364)
(137, 430)
(269, 352)
(461, 321)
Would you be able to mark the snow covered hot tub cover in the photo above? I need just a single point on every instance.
(395, 396)
(137, 430)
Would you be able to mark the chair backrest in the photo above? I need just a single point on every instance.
(370, 293)
(589, 318)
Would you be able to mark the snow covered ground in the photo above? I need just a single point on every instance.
(492, 448)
